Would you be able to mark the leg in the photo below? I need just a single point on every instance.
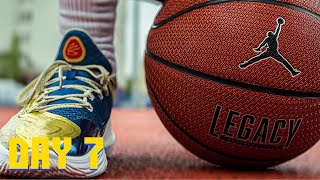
(254, 60)
(97, 17)
(286, 64)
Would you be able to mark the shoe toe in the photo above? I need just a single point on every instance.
(9, 131)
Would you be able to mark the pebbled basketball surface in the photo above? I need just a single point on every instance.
(205, 74)
(144, 149)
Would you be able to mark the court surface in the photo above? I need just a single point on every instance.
(144, 149)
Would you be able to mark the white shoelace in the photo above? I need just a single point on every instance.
(36, 94)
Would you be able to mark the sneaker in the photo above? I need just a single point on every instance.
(71, 98)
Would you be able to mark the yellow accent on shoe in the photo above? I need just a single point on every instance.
(45, 124)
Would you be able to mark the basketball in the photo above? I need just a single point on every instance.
(228, 92)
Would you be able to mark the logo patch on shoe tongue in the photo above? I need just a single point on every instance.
(74, 50)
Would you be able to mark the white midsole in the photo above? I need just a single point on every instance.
(77, 166)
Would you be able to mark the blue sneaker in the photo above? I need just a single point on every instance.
(71, 98)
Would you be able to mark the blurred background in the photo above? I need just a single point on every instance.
(29, 40)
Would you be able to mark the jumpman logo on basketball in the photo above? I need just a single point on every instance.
(272, 50)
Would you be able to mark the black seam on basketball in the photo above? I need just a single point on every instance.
(195, 139)
(214, 2)
(232, 83)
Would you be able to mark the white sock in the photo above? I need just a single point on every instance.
(97, 17)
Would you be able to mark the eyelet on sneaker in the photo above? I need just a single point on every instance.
(89, 107)
(91, 96)
(100, 95)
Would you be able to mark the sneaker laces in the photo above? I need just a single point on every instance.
(36, 94)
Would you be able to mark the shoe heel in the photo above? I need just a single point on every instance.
(109, 138)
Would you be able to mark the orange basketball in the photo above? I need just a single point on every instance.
(237, 82)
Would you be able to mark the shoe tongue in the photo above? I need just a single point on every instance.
(78, 48)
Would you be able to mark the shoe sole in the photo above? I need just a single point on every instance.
(77, 166)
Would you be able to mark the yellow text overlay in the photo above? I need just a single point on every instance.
(19, 152)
